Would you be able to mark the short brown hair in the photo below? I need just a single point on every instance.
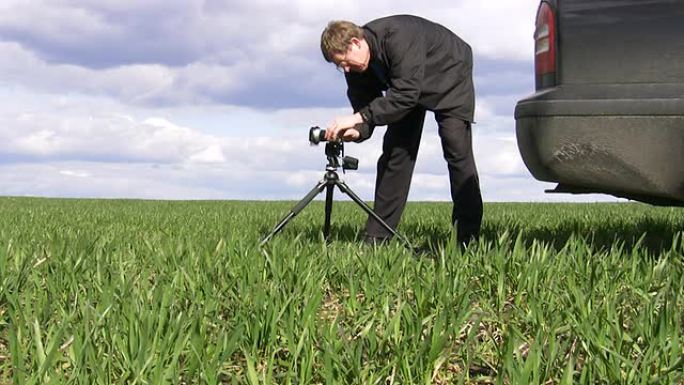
(336, 37)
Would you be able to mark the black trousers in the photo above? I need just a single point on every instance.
(397, 162)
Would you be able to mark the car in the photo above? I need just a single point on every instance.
(607, 115)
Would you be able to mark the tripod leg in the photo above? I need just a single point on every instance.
(345, 189)
(328, 209)
(295, 210)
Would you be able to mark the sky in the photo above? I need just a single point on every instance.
(210, 99)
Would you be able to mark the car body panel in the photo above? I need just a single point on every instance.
(621, 41)
(614, 121)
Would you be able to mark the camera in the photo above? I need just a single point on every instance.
(333, 150)
(316, 135)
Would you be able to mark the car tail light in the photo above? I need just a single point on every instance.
(545, 46)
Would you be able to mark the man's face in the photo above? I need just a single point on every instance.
(355, 59)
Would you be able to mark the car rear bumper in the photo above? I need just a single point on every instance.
(633, 148)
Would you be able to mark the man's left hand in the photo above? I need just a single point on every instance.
(340, 125)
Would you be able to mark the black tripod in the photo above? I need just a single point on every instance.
(329, 181)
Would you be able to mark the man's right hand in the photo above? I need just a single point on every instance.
(343, 128)
(350, 135)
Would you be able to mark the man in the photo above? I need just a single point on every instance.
(397, 68)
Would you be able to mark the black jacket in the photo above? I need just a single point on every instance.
(418, 63)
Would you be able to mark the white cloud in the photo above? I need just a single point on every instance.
(60, 23)
(61, 134)
(103, 136)
(197, 181)
(130, 83)
(234, 52)
(211, 154)
(191, 99)
(77, 174)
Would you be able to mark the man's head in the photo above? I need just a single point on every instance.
(343, 44)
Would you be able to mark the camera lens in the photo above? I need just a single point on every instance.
(316, 135)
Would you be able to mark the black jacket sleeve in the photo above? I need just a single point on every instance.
(362, 90)
(406, 54)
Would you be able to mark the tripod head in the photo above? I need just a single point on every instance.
(334, 151)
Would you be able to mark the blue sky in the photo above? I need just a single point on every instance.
(191, 99)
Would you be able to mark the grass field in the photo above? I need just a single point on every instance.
(146, 292)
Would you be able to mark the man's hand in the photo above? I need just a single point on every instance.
(343, 128)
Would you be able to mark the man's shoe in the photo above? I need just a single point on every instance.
(376, 241)
(464, 238)
(423, 251)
